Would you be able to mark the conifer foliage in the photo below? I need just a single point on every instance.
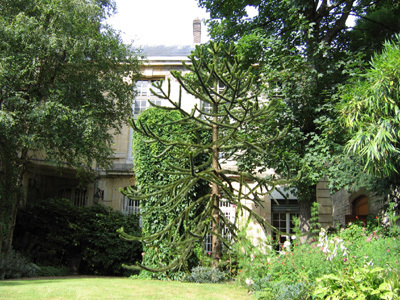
(229, 102)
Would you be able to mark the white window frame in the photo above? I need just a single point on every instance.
(144, 95)
(229, 211)
(131, 206)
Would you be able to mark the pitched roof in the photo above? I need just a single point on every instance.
(163, 50)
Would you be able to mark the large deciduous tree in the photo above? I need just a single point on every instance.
(65, 85)
(302, 48)
(229, 101)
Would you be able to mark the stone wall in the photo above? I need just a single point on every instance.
(342, 204)
(324, 199)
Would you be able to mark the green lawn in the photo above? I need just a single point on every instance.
(116, 288)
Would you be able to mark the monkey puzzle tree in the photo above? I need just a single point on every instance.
(229, 98)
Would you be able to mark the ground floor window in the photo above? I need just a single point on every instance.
(229, 212)
(130, 206)
(78, 197)
(283, 213)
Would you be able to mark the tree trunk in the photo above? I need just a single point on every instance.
(215, 241)
(10, 197)
(8, 231)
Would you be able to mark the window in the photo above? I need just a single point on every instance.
(142, 88)
(77, 196)
(282, 216)
(229, 212)
(130, 206)
(144, 94)
(206, 107)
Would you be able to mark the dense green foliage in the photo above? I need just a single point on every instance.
(217, 78)
(153, 170)
(303, 50)
(302, 57)
(66, 87)
(370, 109)
(14, 265)
(378, 24)
(355, 262)
(53, 231)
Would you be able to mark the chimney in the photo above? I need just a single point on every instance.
(197, 31)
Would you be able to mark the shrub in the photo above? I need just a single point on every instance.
(292, 272)
(283, 291)
(49, 271)
(14, 265)
(360, 283)
(52, 231)
(206, 275)
(103, 251)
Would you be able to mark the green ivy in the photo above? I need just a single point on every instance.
(151, 171)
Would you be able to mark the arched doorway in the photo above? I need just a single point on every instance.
(360, 206)
(359, 210)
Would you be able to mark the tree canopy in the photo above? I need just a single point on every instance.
(66, 83)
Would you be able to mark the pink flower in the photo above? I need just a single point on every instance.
(388, 250)
(368, 239)
(209, 253)
(345, 259)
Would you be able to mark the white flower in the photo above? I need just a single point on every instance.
(293, 237)
(286, 244)
(249, 281)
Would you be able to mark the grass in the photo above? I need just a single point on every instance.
(116, 288)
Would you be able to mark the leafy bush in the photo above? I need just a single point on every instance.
(282, 291)
(14, 265)
(206, 275)
(104, 251)
(53, 231)
(49, 271)
(361, 283)
(333, 260)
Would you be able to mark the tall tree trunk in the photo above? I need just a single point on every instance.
(11, 195)
(215, 241)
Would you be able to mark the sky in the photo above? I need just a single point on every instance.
(158, 22)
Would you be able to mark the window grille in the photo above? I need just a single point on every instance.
(132, 207)
(79, 197)
(229, 212)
